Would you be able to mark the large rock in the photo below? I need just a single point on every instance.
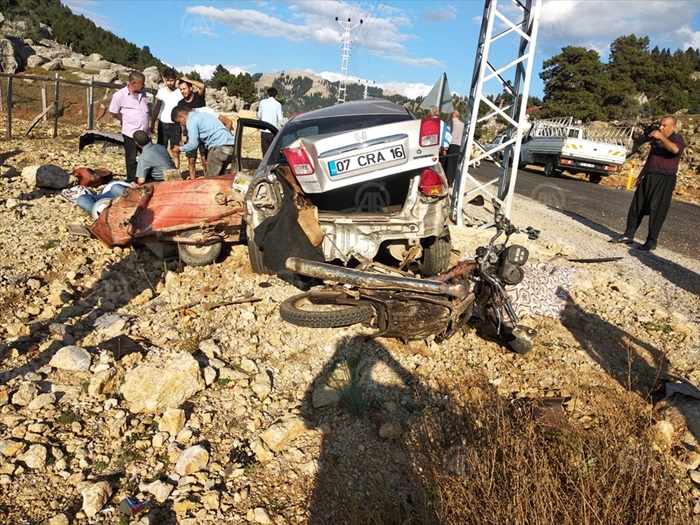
(8, 60)
(95, 497)
(108, 75)
(192, 460)
(155, 386)
(97, 65)
(47, 176)
(35, 61)
(72, 358)
(73, 62)
(152, 77)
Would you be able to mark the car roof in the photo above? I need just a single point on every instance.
(372, 106)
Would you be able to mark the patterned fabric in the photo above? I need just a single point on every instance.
(544, 290)
(72, 194)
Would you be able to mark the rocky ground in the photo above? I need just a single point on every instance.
(123, 375)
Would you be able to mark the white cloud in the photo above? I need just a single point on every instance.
(441, 13)
(597, 24)
(83, 7)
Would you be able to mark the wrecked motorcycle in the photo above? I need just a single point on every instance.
(400, 305)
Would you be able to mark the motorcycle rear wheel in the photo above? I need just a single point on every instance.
(324, 310)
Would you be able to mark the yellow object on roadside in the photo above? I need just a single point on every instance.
(630, 177)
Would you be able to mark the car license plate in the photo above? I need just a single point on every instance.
(364, 160)
(586, 165)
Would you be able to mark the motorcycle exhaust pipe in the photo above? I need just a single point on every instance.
(374, 281)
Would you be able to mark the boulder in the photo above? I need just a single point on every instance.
(47, 176)
(94, 57)
(152, 77)
(8, 60)
(52, 65)
(179, 378)
(108, 75)
(73, 62)
(98, 65)
(35, 61)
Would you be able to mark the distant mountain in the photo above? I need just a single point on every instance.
(304, 91)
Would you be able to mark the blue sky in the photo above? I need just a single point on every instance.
(403, 46)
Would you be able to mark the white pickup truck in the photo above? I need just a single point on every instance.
(562, 144)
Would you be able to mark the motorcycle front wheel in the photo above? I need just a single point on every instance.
(324, 310)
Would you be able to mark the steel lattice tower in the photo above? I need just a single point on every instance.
(521, 24)
(346, 57)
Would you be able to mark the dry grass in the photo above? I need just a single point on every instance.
(492, 462)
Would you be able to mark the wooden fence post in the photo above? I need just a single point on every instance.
(43, 98)
(55, 110)
(9, 108)
(91, 102)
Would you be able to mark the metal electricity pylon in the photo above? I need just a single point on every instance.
(518, 20)
(346, 57)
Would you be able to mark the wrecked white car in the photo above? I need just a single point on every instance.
(351, 182)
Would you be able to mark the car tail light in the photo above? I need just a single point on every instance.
(609, 168)
(429, 132)
(298, 161)
(432, 183)
(567, 161)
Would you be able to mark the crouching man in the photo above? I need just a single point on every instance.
(154, 158)
(208, 128)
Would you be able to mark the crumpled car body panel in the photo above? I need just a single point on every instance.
(160, 211)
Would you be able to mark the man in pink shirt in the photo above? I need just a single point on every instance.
(130, 107)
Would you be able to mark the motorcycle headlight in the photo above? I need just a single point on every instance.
(510, 270)
(516, 254)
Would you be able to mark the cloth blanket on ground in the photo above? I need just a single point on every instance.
(544, 290)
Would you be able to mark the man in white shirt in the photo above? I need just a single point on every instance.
(270, 111)
(169, 132)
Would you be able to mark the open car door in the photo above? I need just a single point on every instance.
(248, 153)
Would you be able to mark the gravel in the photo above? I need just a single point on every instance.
(267, 417)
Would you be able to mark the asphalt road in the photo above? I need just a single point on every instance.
(602, 208)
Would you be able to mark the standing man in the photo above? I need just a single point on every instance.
(154, 158)
(456, 130)
(655, 184)
(270, 111)
(193, 100)
(168, 96)
(205, 127)
(129, 106)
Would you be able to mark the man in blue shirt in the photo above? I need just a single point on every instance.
(208, 128)
(154, 158)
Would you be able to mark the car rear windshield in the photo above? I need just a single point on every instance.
(311, 128)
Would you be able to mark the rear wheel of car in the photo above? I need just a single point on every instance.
(198, 255)
(323, 310)
(549, 168)
(436, 256)
(595, 178)
(255, 255)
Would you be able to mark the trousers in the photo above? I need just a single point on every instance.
(653, 198)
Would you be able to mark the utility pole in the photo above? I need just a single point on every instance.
(520, 25)
(346, 57)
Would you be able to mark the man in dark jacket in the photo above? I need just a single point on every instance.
(655, 184)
